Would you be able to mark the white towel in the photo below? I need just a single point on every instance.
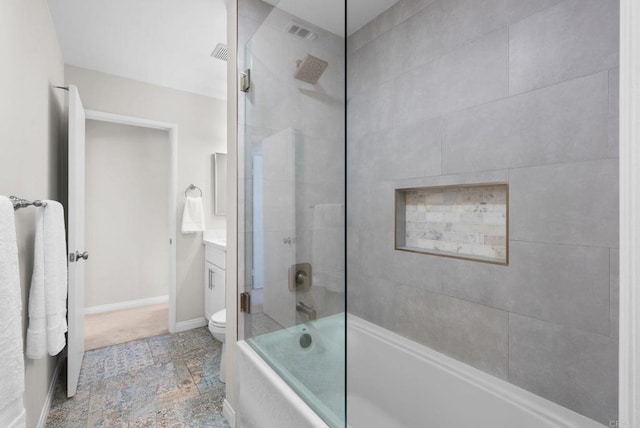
(193, 215)
(12, 367)
(48, 295)
(328, 247)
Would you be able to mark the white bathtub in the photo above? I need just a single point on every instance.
(274, 363)
(393, 382)
(396, 383)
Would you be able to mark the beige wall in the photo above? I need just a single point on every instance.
(127, 182)
(201, 131)
(31, 132)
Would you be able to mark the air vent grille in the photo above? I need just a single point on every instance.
(221, 52)
(300, 31)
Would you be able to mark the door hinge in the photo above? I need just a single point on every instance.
(245, 80)
(245, 302)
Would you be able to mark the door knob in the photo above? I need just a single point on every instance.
(83, 256)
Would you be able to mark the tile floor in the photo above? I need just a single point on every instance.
(163, 381)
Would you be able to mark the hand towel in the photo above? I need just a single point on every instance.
(48, 295)
(328, 247)
(12, 367)
(193, 215)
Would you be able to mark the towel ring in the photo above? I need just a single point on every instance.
(192, 187)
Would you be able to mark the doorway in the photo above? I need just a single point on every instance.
(131, 217)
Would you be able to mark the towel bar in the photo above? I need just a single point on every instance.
(23, 203)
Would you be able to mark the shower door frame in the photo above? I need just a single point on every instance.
(629, 347)
(172, 130)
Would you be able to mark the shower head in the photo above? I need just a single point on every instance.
(310, 69)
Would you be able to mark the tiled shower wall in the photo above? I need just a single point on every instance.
(525, 92)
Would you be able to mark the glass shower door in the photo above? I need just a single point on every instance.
(292, 142)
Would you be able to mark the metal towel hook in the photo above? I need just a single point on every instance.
(192, 187)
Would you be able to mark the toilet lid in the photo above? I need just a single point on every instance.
(219, 318)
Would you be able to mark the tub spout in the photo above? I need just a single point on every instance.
(301, 307)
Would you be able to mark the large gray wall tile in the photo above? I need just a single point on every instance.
(615, 292)
(366, 69)
(422, 271)
(560, 123)
(472, 75)
(444, 26)
(405, 9)
(414, 152)
(575, 369)
(572, 39)
(372, 206)
(568, 285)
(574, 203)
(376, 252)
(474, 334)
(373, 152)
(370, 111)
(371, 298)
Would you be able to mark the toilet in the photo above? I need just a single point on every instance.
(217, 327)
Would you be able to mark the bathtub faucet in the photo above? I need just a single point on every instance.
(301, 307)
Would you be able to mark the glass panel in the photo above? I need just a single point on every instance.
(292, 140)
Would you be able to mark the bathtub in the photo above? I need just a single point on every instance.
(396, 383)
(294, 377)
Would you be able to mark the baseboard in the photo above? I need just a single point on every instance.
(190, 324)
(229, 413)
(52, 389)
(126, 305)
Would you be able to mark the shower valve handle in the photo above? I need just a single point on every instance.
(300, 277)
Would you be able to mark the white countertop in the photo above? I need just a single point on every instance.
(216, 237)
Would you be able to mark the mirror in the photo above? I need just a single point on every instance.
(219, 183)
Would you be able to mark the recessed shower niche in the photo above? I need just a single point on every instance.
(467, 221)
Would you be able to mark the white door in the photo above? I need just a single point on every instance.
(77, 254)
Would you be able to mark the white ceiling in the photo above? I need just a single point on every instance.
(329, 14)
(361, 12)
(169, 42)
(162, 42)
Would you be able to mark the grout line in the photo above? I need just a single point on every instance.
(509, 59)
(609, 270)
(513, 312)
(563, 244)
(509, 346)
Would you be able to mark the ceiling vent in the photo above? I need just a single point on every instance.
(221, 52)
(300, 31)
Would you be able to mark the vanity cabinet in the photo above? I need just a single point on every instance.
(214, 279)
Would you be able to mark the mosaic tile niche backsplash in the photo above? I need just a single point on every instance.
(466, 221)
